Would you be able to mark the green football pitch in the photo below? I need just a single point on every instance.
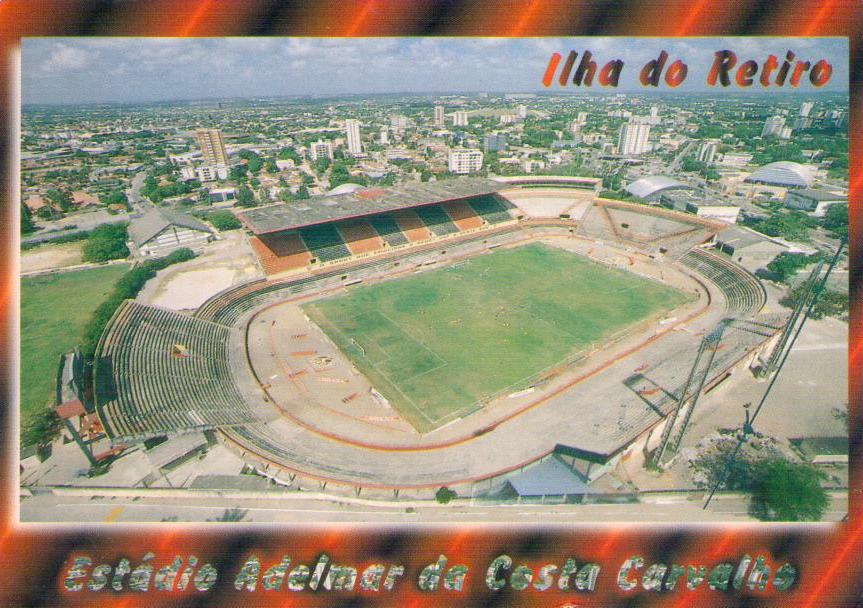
(439, 343)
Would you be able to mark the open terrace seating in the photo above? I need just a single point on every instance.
(325, 243)
(159, 372)
(491, 208)
(744, 294)
(437, 220)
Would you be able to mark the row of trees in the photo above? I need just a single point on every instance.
(127, 288)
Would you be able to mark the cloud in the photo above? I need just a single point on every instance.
(66, 57)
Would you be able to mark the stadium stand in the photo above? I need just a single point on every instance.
(412, 226)
(388, 230)
(436, 220)
(360, 237)
(744, 294)
(324, 242)
(492, 209)
(281, 252)
(462, 215)
(159, 372)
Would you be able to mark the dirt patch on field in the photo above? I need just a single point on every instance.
(49, 257)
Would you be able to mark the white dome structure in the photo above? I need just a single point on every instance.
(782, 173)
(345, 189)
(651, 187)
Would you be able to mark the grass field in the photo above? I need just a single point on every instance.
(54, 310)
(438, 343)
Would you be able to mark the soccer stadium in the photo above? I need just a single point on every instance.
(464, 333)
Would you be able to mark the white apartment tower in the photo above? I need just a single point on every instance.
(632, 139)
(464, 160)
(212, 147)
(460, 119)
(707, 151)
(321, 149)
(352, 130)
(773, 126)
(438, 116)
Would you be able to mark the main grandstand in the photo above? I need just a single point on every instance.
(300, 371)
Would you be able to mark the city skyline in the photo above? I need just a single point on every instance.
(125, 70)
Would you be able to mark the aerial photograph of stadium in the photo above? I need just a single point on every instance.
(405, 281)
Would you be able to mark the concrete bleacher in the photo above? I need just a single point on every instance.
(324, 242)
(159, 372)
(492, 209)
(462, 215)
(360, 237)
(412, 226)
(281, 252)
(386, 227)
(436, 220)
(744, 294)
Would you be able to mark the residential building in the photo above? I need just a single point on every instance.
(321, 149)
(460, 119)
(632, 139)
(438, 116)
(212, 147)
(707, 151)
(352, 130)
(464, 160)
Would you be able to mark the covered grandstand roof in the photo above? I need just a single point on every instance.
(653, 185)
(367, 201)
(155, 221)
(782, 173)
(548, 478)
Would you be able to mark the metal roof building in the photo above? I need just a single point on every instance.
(366, 201)
(651, 187)
(782, 173)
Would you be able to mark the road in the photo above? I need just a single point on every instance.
(97, 506)
(138, 202)
(675, 164)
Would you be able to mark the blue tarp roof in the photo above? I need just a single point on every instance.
(548, 478)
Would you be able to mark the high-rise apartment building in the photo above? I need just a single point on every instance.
(773, 126)
(321, 149)
(464, 160)
(460, 119)
(438, 116)
(212, 147)
(707, 151)
(632, 138)
(352, 130)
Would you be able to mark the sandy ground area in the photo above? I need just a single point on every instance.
(48, 257)
(186, 286)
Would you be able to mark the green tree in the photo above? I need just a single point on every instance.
(106, 242)
(303, 192)
(27, 226)
(445, 495)
(788, 491)
(245, 197)
(238, 173)
(786, 265)
(223, 220)
(836, 220)
(830, 303)
(60, 198)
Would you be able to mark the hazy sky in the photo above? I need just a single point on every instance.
(81, 70)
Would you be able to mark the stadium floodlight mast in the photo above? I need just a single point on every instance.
(748, 426)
